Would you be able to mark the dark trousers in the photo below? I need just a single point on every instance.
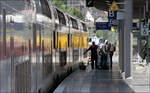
(104, 61)
(94, 61)
(111, 55)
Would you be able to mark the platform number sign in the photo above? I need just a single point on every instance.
(112, 18)
(112, 15)
(114, 22)
(144, 29)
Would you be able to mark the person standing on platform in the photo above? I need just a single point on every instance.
(103, 53)
(99, 54)
(94, 55)
(111, 53)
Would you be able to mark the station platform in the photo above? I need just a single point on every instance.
(94, 81)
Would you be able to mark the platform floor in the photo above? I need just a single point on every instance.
(94, 81)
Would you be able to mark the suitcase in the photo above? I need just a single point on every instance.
(82, 66)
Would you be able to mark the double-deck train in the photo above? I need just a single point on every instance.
(39, 45)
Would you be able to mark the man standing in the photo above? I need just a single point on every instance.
(94, 55)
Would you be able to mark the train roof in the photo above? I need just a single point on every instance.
(67, 13)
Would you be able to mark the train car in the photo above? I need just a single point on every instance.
(26, 45)
(39, 45)
(84, 37)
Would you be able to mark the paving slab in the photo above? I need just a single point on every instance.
(94, 81)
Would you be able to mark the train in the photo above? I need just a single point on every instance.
(40, 45)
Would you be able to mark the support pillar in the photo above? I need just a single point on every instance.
(127, 37)
(121, 46)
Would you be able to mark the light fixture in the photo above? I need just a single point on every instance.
(107, 1)
(108, 4)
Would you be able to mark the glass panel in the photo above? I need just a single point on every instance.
(45, 8)
(61, 16)
(74, 23)
(84, 27)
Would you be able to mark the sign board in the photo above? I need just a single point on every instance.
(114, 6)
(114, 22)
(120, 15)
(108, 26)
(144, 29)
(112, 15)
(102, 26)
(114, 29)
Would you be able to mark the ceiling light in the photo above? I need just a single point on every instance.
(107, 1)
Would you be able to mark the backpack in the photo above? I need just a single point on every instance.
(112, 48)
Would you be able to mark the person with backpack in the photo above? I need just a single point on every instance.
(94, 55)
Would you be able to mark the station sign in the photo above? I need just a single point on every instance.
(112, 18)
(114, 29)
(144, 29)
(112, 15)
(102, 25)
(108, 26)
(113, 22)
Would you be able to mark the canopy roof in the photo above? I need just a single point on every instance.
(138, 6)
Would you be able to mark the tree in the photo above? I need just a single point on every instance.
(75, 11)
(110, 36)
(60, 4)
(99, 34)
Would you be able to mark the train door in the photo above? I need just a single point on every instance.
(69, 38)
(75, 39)
(56, 21)
(16, 46)
(55, 36)
(62, 38)
(47, 25)
(81, 41)
(85, 38)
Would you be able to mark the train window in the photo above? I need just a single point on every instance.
(61, 17)
(55, 14)
(84, 27)
(27, 1)
(74, 23)
(89, 40)
(45, 8)
(68, 19)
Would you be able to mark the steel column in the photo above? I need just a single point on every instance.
(121, 46)
(127, 37)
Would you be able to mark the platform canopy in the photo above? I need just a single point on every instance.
(138, 6)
